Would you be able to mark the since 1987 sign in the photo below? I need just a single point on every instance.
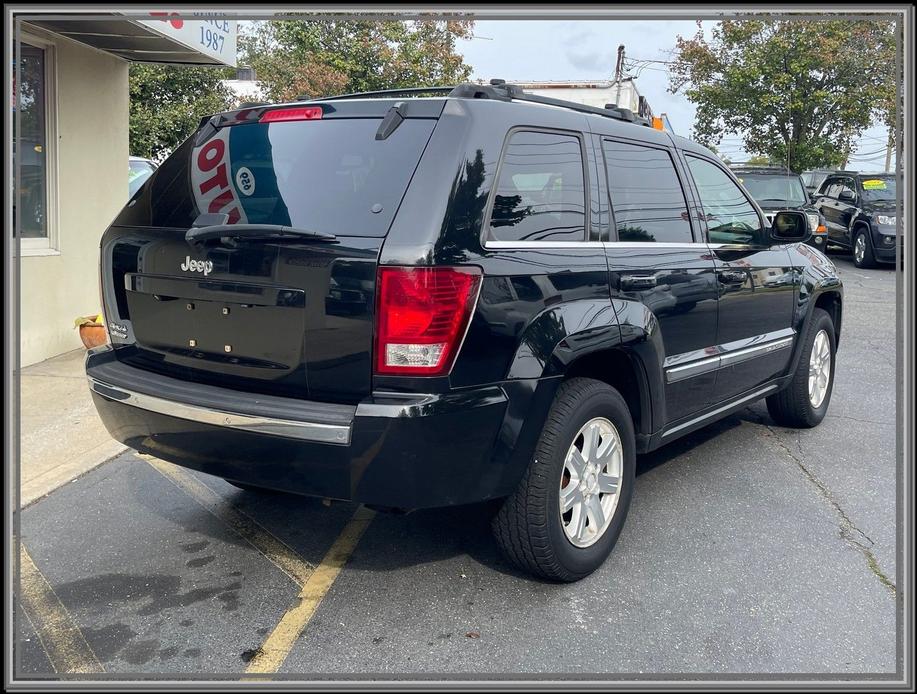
(209, 33)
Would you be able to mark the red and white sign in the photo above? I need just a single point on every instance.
(211, 180)
(209, 33)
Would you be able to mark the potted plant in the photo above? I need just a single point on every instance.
(92, 330)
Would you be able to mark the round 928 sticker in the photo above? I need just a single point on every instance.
(245, 181)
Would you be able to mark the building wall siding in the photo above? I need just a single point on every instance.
(92, 152)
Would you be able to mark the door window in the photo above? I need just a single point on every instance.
(830, 188)
(541, 194)
(731, 218)
(646, 195)
(845, 186)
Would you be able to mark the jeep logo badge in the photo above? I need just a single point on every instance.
(205, 266)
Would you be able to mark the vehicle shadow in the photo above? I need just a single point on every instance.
(395, 542)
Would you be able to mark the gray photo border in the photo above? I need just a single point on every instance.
(903, 14)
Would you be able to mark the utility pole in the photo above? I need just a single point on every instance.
(619, 74)
(888, 150)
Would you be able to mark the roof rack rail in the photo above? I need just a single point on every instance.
(406, 91)
(499, 90)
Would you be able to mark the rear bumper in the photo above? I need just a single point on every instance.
(411, 451)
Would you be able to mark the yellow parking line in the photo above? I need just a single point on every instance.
(60, 637)
(277, 646)
(277, 552)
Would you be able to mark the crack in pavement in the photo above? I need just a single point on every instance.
(855, 419)
(847, 530)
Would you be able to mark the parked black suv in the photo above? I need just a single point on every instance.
(777, 189)
(480, 294)
(813, 179)
(860, 211)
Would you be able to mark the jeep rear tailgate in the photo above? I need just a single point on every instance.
(275, 313)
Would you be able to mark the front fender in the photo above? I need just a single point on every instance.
(818, 276)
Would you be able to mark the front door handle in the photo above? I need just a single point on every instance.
(732, 276)
(636, 282)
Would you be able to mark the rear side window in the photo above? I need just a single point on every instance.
(541, 194)
(731, 218)
(646, 195)
(328, 175)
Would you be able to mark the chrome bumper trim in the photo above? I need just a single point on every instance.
(269, 426)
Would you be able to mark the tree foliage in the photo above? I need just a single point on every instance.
(294, 58)
(167, 103)
(796, 91)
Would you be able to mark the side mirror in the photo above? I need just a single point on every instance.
(847, 196)
(790, 226)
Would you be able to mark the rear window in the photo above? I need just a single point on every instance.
(331, 176)
(774, 188)
(541, 195)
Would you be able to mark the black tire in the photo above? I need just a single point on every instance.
(869, 257)
(529, 526)
(791, 407)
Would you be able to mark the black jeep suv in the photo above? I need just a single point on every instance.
(860, 211)
(777, 189)
(422, 299)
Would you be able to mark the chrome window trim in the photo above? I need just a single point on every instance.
(695, 245)
(728, 406)
(271, 426)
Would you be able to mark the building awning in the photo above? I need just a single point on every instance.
(192, 42)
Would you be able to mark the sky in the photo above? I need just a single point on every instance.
(586, 50)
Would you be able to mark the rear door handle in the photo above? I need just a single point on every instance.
(638, 281)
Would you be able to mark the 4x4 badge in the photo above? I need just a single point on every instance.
(205, 266)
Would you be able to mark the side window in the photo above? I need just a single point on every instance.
(846, 186)
(541, 194)
(646, 195)
(731, 218)
(828, 188)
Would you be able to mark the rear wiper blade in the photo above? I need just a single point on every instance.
(199, 235)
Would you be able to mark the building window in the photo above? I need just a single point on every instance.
(34, 204)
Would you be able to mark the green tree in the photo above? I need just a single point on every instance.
(294, 58)
(167, 103)
(796, 91)
(759, 160)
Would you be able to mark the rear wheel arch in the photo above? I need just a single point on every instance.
(623, 372)
(832, 303)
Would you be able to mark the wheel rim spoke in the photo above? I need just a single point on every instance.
(570, 496)
(596, 513)
(576, 463)
(608, 484)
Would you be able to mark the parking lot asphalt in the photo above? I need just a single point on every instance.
(749, 548)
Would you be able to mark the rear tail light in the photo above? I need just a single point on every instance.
(422, 314)
(298, 113)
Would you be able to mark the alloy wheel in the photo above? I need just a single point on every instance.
(590, 483)
(819, 369)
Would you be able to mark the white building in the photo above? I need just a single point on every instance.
(623, 93)
(71, 97)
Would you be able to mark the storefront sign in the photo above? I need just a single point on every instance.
(206, 32)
